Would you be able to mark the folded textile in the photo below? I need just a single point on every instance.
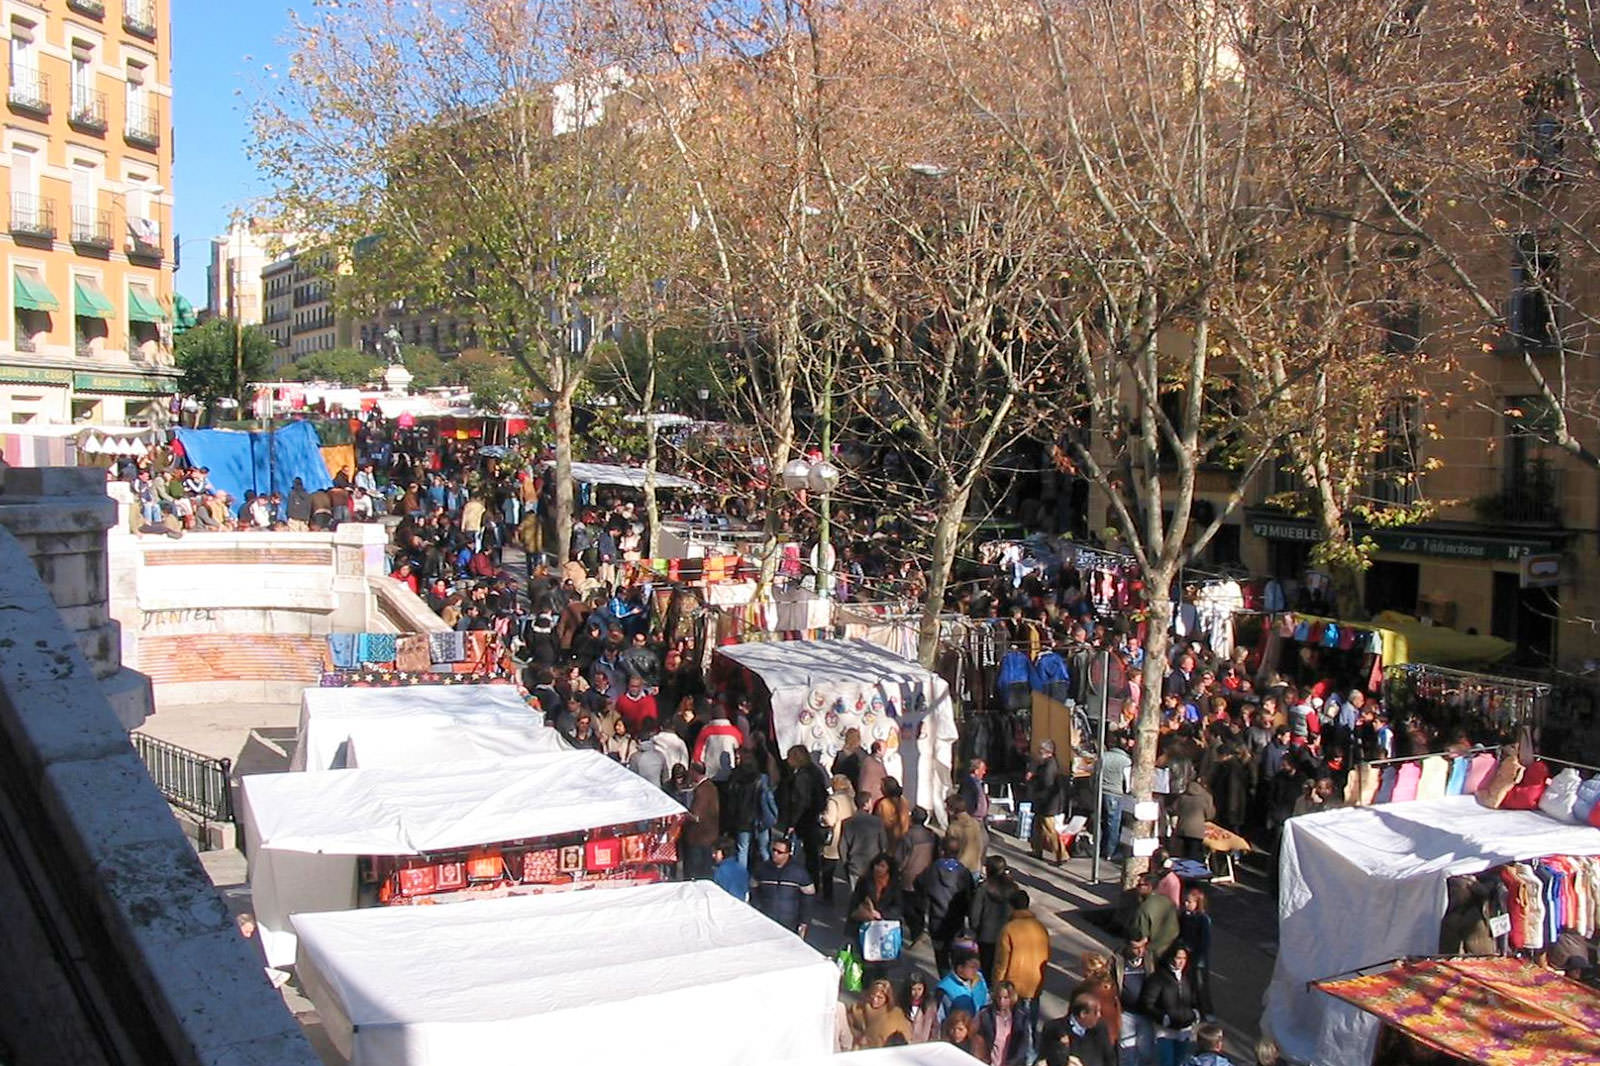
(376, 647)
(447, 647)
(342, 650)
(411, 655)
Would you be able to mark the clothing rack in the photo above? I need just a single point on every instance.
(1534, 688)
(1569, 762)
(1476, 749)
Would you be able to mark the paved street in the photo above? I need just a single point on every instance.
(260, 737)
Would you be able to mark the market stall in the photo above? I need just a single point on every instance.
(628, 476)
(672, 975)
(1476, 1010)
(1360, 885)
(818, 689)
(416, 725)
(331, 841)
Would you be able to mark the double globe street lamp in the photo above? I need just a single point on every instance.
(822, 478)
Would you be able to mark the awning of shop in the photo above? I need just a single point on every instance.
(143, 307)
(1483, 1010)
(92, 303)
(30, 292)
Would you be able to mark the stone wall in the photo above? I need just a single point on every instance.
(117, 949)
(59, 517)
(244, 616)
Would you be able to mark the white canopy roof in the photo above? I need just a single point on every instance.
(821, 688)
(417, 725)
(803, 663)
(1363, 885)
(671, 974)
(303, 832)
(631, 476)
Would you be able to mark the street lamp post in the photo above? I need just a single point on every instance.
(705, 396)
(820, 477)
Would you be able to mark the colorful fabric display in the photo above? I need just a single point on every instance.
(1456, 785)
(1507, 772)
(411, 654)
(1587, 799)
(342, 651)
(1478, 771)
(1385, 793)
(1370, 777)
(447, 647)
(375, 647)
(1406, 780)
(1526, 793)
(1561, 794)
(1435, 776)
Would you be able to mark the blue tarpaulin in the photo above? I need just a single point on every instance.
(262, 462)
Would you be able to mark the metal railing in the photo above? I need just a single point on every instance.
(139, 16)
(29, 91)
(33, 216)
(91, 228)
(144, 238)
(143, 127)
(187, 779)
(88, 109)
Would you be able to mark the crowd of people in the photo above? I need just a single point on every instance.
(1242, 747)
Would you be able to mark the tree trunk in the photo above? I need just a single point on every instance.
(561, 424)
(782, 421)
(1341, 559)
(652, 509)
(1148, 725)
(946, 531)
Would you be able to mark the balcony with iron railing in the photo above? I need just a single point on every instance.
(91, 228)
(139, 17)
(88, 113)
(144, 239)
(1531, 497)
(143, 127)
(32, 216)
(92, 8)
(29, 91)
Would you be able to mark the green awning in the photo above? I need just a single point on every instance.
(144, 308)
(92, 303)
(31, 293)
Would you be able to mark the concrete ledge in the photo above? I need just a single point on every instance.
(190, 694)
(157, 972)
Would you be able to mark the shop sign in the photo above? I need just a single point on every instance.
(120, 383)
(1543, 570)
(1412, 542)
(33, 375)
(1457, 547)
(1282, 530)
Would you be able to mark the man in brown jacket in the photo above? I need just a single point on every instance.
(965, 828)
(705, 816)
(1020, 956)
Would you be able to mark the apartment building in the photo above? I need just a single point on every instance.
(233, 277)
(87, 160)
(316, 322)
(439, 331)
(277, 294)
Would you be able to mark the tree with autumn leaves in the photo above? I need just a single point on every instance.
(1184, 240)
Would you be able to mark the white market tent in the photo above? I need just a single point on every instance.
(1363, 885)
(820, 688)
(414, 725)
(670, 974)
(304, 832)
(630, 476)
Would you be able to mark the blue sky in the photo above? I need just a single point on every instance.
(218, 54)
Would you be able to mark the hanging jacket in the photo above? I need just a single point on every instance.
(1051, 676)
(1015, 669)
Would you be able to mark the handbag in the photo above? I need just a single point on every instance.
(881, 940)
(603, 854)
(849, 968)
